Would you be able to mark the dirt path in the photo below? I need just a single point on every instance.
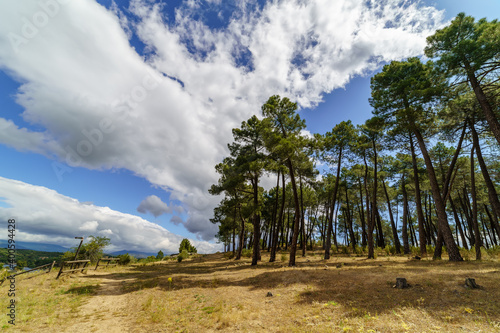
(107, 310)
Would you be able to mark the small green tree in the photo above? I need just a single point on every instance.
(160, 255)
(186, 245)
(92, 250)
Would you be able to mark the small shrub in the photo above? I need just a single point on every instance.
(344, 249)
(359, 250)
(246, 253)
(415, 251)
(494, 251)
(126, 259)
(183, 255)
(284, 257)
(228, 255)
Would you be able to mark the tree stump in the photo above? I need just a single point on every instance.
(471, 283)
(269, 294)
(401, 283)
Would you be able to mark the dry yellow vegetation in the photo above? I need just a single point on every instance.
(211, 293)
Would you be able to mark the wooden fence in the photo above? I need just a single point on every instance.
(111, 262)
(74, 263)
(50, 266)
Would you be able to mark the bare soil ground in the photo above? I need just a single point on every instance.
(211, 293)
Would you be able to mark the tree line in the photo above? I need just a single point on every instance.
(423, 170)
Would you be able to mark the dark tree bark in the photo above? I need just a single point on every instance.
(302, 221)
(293, 246)
(490, 116)
(443, 226)
(458, 224)
(242, 235)
(349, 218)
(256, 222)
(492, 193)
(362, 215)
(280, 218)
(418, 201)
(491, 219)
(334, 198)
(397, 244)
(475, 222)
(404, 230)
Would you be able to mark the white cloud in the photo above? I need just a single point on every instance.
(43, 215)
(103, 106)
(89, 226)
(152, 204)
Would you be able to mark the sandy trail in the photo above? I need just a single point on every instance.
(107, 310)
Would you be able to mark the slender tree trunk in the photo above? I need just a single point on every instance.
(397, 244)
(451, 246)
(256, 222)
(492, 193)
(491, 218)
(448, 179)
(334, 198)
(302, 220)
(404, 230)
(371, 225)
(362, 215)
(475, 222)
(242, 236)
(486, 232)
(465, 210)
(490, 116)
(274, 228)
(293, 246)
(458, 224)
(280, 218)
(369, 215)
(418, 201)
(350, 220)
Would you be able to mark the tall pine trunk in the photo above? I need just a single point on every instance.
(330, 220)
(418, 201)
(397, 244)
(293, 246)
(443, 226)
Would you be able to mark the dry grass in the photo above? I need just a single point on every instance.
(211, 293)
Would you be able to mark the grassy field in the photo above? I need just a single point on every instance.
(211, 293)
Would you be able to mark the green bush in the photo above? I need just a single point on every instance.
(359, 250)
(126, 259)
(246, 253)
(494, 252)
(284, 257)
(344, 249)
(183, 255)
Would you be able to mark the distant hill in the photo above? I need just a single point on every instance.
(35, 246)
(135, 254)
(32, 258)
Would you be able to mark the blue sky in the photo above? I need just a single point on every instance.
(146, 94)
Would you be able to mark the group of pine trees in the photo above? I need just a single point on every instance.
(425, 161)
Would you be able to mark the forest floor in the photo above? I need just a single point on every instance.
(211, 293)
